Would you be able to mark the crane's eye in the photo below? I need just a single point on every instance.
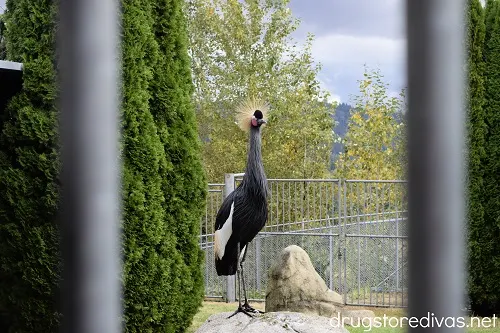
(258, 114)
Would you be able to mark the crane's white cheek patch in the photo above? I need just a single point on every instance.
(221, 236)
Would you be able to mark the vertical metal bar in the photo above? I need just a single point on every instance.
(359, 218)
(328, 224)
(258, 262)
(314, 202)
(206, 270)
(344, 286)
(295, 202)
(343, 242)
(217, 287)
(283, 206)
(308, 202)
(271, 219)
(365, 241)
(383, 241)
(339, 226)
(203, 234)
(347, 214)
(231, 279)
(303, 197)
(330, 257)
(89, 54)
(331, 209)
(436, 143)
(320, 204)
(215, 277)
(375, 241)
(398, 240)
(277, 205)
(403, 260)
(290, 207)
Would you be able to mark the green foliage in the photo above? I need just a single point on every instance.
(164, 186)
(484, 227)
(374, 142)
(374, 145)
(244, 48)
(476, 129)
(163, 183)
(29, 266)
(149, 250)
(184, 183)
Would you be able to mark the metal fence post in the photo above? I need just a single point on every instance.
(436, 78)
(343, 241)
(230, 280)
(258, 270)
(398, 241)
(340, 221)
(330, 257)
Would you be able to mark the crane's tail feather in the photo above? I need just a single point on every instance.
(228, 264)
(225, 268)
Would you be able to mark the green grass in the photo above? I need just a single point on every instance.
(209, 308)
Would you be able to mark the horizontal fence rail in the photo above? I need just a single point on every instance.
(353, 230)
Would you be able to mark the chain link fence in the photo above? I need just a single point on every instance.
(354, 232)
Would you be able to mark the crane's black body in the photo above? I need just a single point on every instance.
(248, 205)
(249, 217)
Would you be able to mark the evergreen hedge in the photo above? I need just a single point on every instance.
(476, 129)
(484, 228)
(184, 182)
(163, 184)
(163, 283)
(29, 265)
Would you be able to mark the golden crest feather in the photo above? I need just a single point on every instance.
(246, 109)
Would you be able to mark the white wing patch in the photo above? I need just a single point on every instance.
(222, 235)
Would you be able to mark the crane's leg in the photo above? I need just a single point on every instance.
(241, 308)
(246, 306)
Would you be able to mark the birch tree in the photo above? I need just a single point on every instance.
(243, 49)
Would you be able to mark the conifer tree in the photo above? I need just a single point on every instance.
(29, 171)
(485, 228)
(163, 185)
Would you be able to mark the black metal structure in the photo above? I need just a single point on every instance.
(11, 82)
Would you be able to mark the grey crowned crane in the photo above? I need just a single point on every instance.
(244, 212)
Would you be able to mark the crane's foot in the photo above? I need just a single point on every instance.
(248, 308)
(241, 309)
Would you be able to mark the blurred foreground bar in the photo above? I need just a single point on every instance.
(89, 62)
(436, 139)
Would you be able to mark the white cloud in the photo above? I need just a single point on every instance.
(343, 58)
(326, 84)
(334, 98)
(336, 49)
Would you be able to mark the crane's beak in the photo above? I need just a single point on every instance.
(261, 121)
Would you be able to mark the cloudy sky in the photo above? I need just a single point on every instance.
(349, 34)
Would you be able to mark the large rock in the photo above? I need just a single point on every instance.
(273, 322)
(294, 285)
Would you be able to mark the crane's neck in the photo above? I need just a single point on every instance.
(255, 179)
